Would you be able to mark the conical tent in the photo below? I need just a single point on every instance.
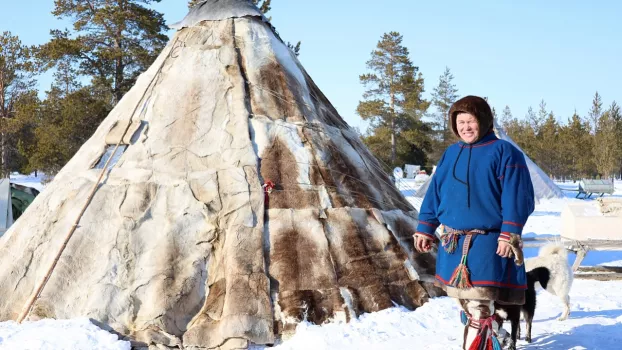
(421, 191)
(417, 199)
(229, 202)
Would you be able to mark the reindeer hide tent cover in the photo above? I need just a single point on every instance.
(182, 243)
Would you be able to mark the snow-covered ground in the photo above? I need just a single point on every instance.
(76, 334)
(29, 180)
(595, 321)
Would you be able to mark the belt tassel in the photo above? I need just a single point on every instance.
(460, 278)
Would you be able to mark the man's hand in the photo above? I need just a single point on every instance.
(504, 250)
(423, 244)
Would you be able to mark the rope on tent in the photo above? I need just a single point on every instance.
(48, 274)
(33, 298)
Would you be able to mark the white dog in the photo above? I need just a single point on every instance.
(554, 257)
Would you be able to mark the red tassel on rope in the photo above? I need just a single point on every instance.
(267, 189)
(483, 340)
(476, 342)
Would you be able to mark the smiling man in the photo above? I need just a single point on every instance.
(482, 195)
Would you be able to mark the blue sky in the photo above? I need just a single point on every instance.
(514, 52)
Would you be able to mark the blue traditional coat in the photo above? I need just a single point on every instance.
(485, 185)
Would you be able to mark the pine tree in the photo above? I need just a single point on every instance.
(443, 96)
(539, 146)
(413, 143)
(541, 117)
(549, 147)
(67, 120)
(524, 134)
(596, 111)
(531, 118)
(22, 130)
(506, 117)
(112, 42)
(393, 90)
(616, 116)
(16, 88)
(577, 147)
(606, 151)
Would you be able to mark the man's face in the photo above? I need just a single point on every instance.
(468, 127)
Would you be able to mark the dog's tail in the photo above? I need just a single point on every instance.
(539, 274)
(553, 249)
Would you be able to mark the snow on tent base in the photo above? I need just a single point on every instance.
(75, 334)
(240, 205)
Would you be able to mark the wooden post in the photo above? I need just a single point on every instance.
(581, 253)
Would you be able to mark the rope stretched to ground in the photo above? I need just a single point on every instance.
(33, 298)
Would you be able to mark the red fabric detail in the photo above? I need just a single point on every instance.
(479, 145)
(476, 342)
(427, 224)
(513, 223)
(487, 283)
(268, 186)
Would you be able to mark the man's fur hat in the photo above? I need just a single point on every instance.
(476, 106)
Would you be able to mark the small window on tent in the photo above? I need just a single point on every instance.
(108, 154)
(121, 133)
